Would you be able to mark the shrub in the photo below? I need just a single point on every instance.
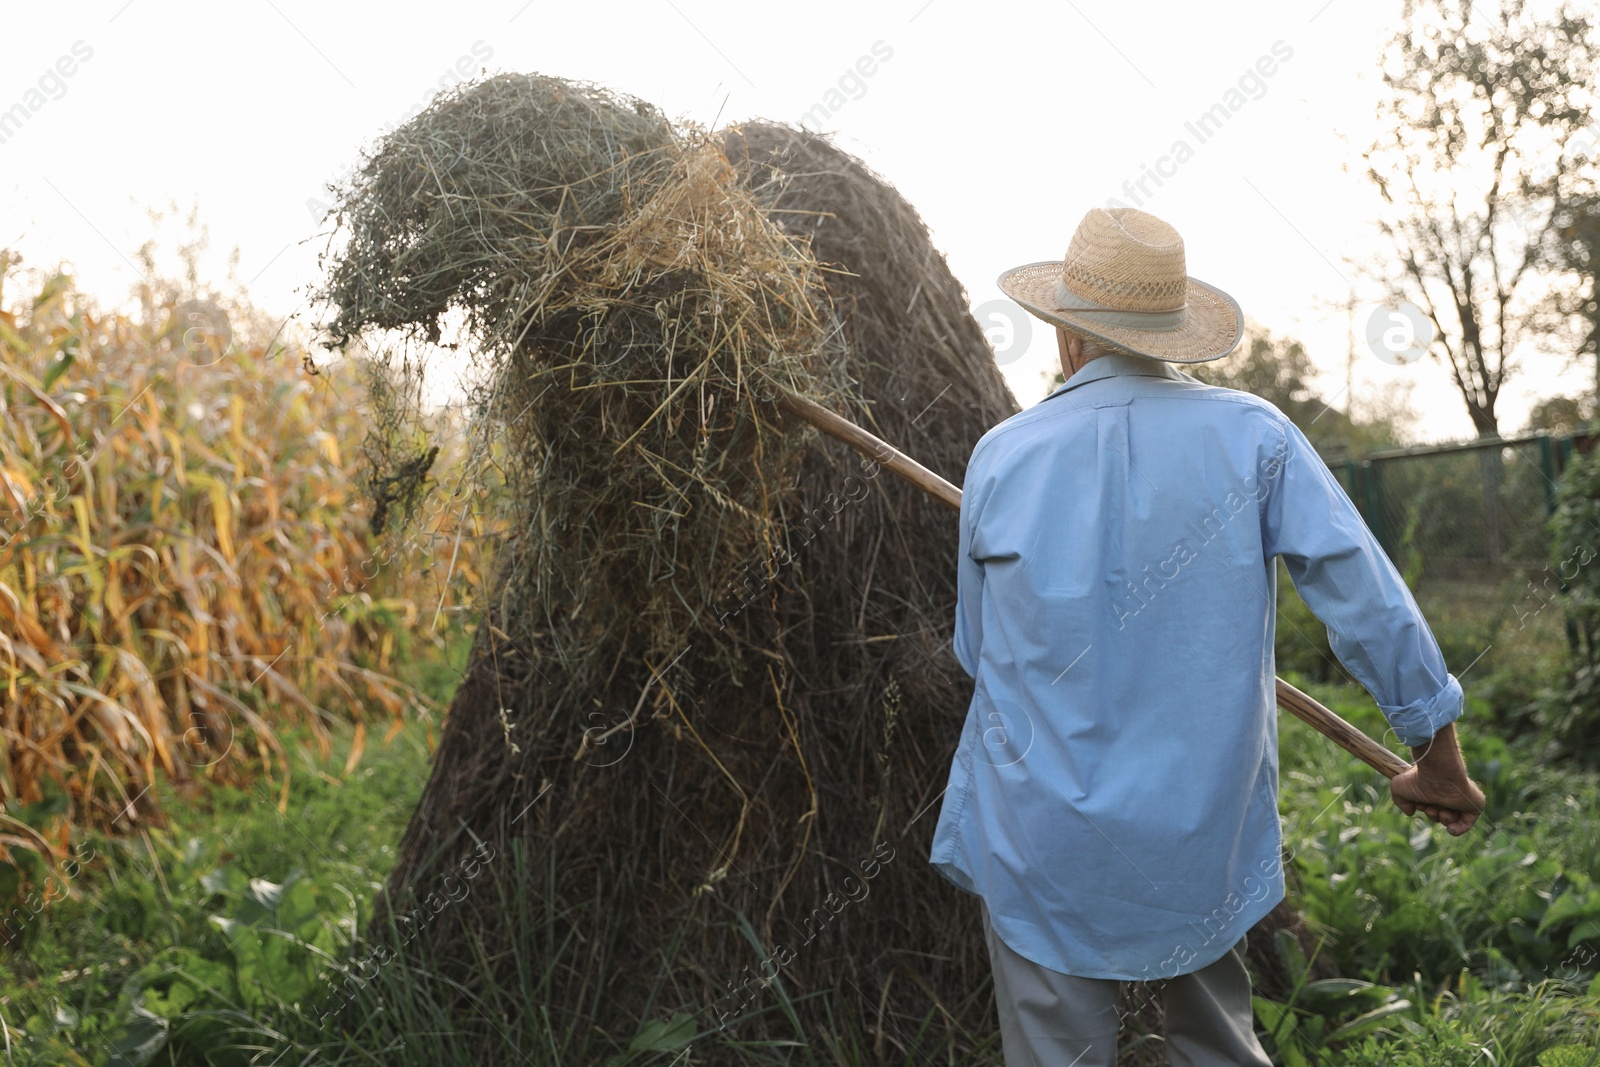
(1569, 716)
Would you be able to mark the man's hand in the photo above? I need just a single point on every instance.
(1438, 785)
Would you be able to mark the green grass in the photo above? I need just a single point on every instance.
(147, 918)
(1406, 896)
(144, 905)
(223, 935)
(1490, 939)
(1504, 638)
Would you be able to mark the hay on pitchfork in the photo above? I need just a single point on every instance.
(630, 314)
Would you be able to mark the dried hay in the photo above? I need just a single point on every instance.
(632, 314)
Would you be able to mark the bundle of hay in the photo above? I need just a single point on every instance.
(631, 313)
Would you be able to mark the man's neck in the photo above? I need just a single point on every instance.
(1071, 366)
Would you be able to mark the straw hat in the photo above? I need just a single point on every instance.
(1123, 284)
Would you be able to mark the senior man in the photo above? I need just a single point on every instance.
(1113, 798)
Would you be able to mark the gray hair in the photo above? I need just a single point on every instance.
(1091, 349)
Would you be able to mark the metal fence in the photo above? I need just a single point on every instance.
(1478, 510)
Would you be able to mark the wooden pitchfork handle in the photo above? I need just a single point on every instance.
(1290, 699)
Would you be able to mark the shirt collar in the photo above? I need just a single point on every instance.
(1119, 363)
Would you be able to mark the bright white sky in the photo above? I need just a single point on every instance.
(1002, 123)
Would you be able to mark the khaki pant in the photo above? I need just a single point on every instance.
(1050, 1019)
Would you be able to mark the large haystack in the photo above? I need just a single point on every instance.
(772, 679)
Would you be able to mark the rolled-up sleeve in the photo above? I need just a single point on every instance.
(1346, 579)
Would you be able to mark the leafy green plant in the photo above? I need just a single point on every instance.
(1477, 1025)
(187, 944)
(1399, 896)
(1569, 1056)
(198, 1002)
(1579, 905)
(1570, 717)
(1321, 1013)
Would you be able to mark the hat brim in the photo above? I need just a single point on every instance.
(1212, 324)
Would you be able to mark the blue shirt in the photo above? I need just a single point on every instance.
(1113, 798)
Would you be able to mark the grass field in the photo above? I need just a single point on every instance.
(1512, 620)
(214, 939)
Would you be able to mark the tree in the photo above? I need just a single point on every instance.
(1280, 370)
(1574, 243)
(1481, 102)
(1561, 414)
(1275, 369)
